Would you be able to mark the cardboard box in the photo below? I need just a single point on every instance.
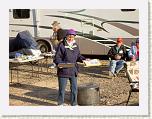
(133, 71)
(92, 62)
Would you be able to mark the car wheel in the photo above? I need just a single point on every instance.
(43, 46)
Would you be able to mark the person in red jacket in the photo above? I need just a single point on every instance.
(134, 51)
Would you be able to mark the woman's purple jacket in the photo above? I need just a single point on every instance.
(66, 55)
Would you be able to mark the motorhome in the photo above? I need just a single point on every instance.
(97, 29)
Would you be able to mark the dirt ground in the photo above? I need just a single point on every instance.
(41, 88)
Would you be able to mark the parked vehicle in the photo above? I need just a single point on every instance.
(97, 29)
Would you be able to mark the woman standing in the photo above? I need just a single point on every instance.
(68, 52)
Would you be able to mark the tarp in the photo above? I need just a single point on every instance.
(23, 40)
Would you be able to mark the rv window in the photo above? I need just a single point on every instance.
(21, 13)
(127, 10)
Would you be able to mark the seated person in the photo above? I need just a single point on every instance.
(134, 51)
(117, 54)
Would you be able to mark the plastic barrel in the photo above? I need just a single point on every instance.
(88, 94)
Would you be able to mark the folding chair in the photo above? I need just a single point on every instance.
(133, 77)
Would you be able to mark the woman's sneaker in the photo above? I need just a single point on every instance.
(60, 104)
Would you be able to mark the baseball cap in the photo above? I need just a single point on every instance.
(119, 40)
(55, 23)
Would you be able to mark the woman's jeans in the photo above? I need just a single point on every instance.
(73, 86)
(116, 65)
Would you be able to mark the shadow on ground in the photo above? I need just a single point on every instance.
(38, 95)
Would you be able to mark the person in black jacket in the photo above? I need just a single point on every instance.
(58, 35)
(117, 55)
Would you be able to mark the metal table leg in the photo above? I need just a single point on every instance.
(38, 68)
(32, 70)
(11, 74)
(47, 64)
(17, 65)
(129, 96)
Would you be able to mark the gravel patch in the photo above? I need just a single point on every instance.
(41, 89)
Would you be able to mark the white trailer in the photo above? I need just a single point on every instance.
(97, 29)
